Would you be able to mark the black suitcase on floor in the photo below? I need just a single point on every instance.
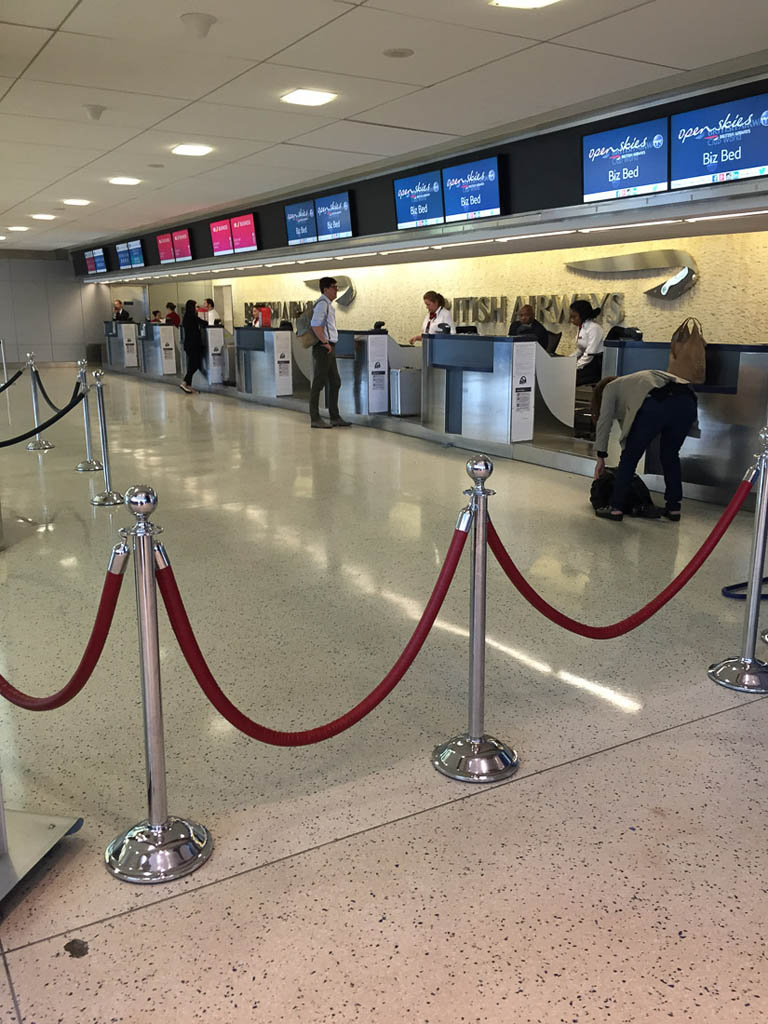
(639, 503)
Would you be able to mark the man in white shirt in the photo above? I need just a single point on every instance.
(212, 315)
(325, 371)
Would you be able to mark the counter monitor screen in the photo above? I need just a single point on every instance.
(221, 238)
(123, 256)
(243, 233)
(334, 218)
(626, 161)
(136, 253)
(300, 223)
(100, 263)
(90, 262)
(419, 200)
(728, 142)
(165, 249)
(181, 245)
(472, 190)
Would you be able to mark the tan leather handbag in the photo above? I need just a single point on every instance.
(687, 352)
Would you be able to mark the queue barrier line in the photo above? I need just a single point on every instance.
(43, 392)
(12, 380)
(77, 397)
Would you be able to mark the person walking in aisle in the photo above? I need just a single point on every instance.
(193, 344)
(325, 372)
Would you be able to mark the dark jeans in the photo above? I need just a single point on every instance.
(325, 374)
(592, 372)
(669, 419)
(194, 363)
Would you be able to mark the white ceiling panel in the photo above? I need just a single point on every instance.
(501, 94)
(153, 68)
(243, 28)
(89, 135)
(543, 23)
(356, 42)
(67, 102)
(247, 179)
(41, 13)
(18, 45)
(683, 33)
(5, 84)
(38, 161)
(312, 159)
(264, 86)
(372, 138)
(242, 122)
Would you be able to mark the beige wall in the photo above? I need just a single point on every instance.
(729, 298)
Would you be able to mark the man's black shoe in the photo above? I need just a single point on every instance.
(340, 423)
(320, 424)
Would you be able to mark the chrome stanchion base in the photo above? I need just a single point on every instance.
(148, 855)
(39, 446)
(743, 674)
(107, 498)
(466, 760)
(89, 466)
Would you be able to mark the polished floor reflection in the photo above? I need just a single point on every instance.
(617, 877)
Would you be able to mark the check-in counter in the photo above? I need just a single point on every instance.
(479, 386)
(158, 350)
(121, 345)
(266, 364)
(364, 359)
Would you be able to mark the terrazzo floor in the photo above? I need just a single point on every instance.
(619, 877)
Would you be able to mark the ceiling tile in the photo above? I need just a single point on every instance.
(41, 158)
(692, 33)
(372, 139)
(123, 109)
(156, 146)
(149, 68)
(311, 158)
(264, 86)
(501, 95)
(42, 13)
(356, 42)
(243, 122)
(90, 135)
(18, 45)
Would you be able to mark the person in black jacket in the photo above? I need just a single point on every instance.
(119, 313)
(527, 323)
(193, 344)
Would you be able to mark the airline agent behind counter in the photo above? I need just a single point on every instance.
(436, 314)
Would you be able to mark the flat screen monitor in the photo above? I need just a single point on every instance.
(471, 190)
(221, 238)
(626, 161)
(123, 256)
(165, 248)
(419, 200)
(99, 261)
(300, 223)
(727, 142)
(136, 253)
(90, 262)
(243, 233)
(181, 245)
(334, 217)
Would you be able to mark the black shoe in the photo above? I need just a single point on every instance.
(320, 424)
(340, 423)
(608, 513)
(672, 515)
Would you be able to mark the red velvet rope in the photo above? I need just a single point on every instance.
(632, 621)
(95, 646)
(182, 628)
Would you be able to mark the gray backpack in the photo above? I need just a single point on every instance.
(304, 332)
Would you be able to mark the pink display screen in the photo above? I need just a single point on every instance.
(181, 245)
(165, 249)
(221, 237)
(244, 233)
(90, 263)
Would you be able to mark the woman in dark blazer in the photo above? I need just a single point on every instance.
(193, 344)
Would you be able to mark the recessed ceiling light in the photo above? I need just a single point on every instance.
(398, 51)
(2, 238)
(76, 202)
(18, 227)
(192, 149)
(125, 181)
(42, 216)
(308, 97)
(523, 5)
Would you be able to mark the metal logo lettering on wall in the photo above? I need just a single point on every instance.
(551, 310)
(646, 260)
(293, 310)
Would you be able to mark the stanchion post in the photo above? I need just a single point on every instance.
(747, 673)
(2, 355)
(161, 848)
(474, 756)
(107, 496)
(37, 444)
(89, 464)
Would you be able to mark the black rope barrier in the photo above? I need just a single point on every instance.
(738, 591)
(74, 400)
(43, 392)
(11, 380)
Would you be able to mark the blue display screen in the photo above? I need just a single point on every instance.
(300, 223)
(728, 142)
(626, 161)
(123, 256)
(99, 260)
(334, 218)
(419, 200)
(136, 254)
(472, 190)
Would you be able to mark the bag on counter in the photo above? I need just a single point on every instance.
(687, 355)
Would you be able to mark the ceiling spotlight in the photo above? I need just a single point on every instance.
(398, 51)
(308, 97)
(42, 216)
(125, 181)
(76, 202)
(94, 111)
(18, 227)
(199, 25)
(2, 238)
(523, 5)
(192, 149)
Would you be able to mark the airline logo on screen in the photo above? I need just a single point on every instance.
(471, 180)
(421, 190)
(630, 147)
(727, 128)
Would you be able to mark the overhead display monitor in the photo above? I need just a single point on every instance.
(123, 256)
(472, 190)
(419, 200)
(727, 142)
(300, 223)
(243, 233)
(165, 249)
(626, 161)
(334, 217)
(99, 261)
(90, 262)
(221, 238)
(136, 253)
(181, 245)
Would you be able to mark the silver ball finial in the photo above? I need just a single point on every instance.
(97, 375)
(764, 436)
(141, 500)
(82, 363)
(479, 468)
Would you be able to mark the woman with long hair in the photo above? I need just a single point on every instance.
(589, 342)
(437, 314)
(193, 344)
